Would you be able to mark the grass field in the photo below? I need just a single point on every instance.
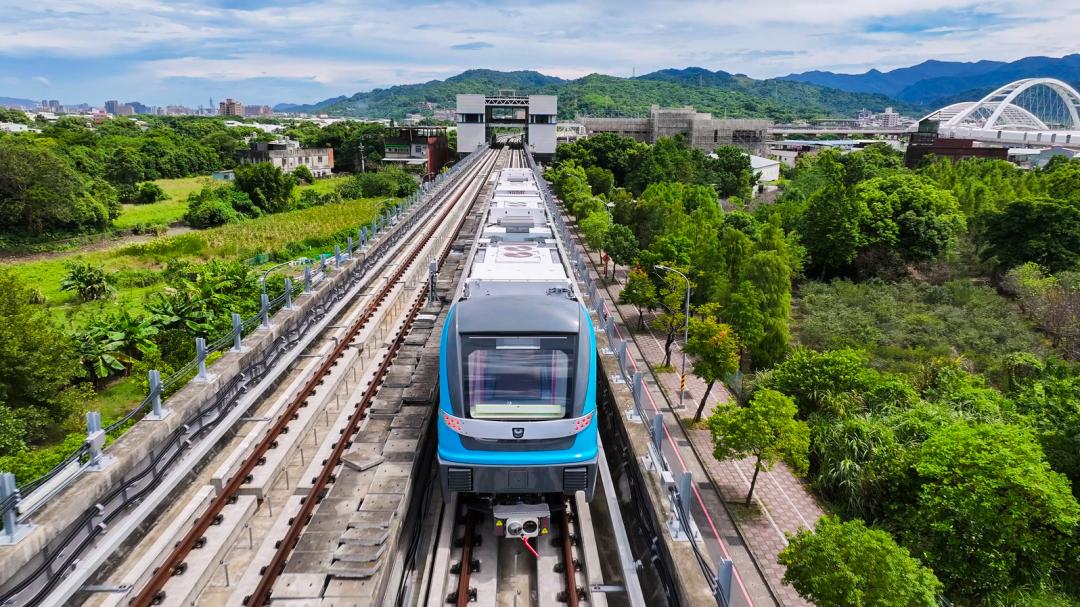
(167, 211)
(172, 209)
(306, 230)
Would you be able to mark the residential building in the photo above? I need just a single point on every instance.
(700, 129)
(423, 147)
(111, 106)
(138, 108)
(230, 107)
(890, 119)
(287, 155)
(254, 111)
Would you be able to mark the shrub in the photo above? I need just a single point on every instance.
(303, 173)
(210, 212)
(89, 282)
(388, 182)
(149, 193)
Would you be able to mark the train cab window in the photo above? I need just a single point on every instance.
(519, 378)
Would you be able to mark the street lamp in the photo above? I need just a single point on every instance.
(300, 261)
(686, 331)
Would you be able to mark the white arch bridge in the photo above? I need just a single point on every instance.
(1033, 111)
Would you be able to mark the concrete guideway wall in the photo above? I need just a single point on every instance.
(236, 377)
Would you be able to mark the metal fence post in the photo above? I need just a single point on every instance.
(638, 386)
(95, 440)
(622, 352)
(658, 436)
(13, 531)
(724, 570)
(348, 246)
(288, 292)
(264, 313)
(157, 412)
(237, 333)
(200, 353)
(433, 273)
(337, 256)
(307, 279)
(684, 501)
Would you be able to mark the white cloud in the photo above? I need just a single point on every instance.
(344, 44)
(42, 80)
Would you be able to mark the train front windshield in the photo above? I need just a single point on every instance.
(519, 378)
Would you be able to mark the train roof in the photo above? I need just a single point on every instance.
(517, 252)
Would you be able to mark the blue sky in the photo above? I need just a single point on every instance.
(187, 51)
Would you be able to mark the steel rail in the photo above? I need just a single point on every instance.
(567, 546)
(463, 597)
(150, 592)
(316, 493)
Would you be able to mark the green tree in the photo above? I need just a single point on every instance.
(671, 299)
(36, 360)
(744, 313)
(832, 227)
(989, 513)
(730, 172)
(847, 564)
(40, 191)
(714, 348)
(830, 382)
(621, 245)
(12, 432)
(269, 188)
(766, 430)
(1043, 231)
(909, 215)
(595, 228)
(639, 292)
(125, 168)
(601, 180)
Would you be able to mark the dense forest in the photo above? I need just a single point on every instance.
(911, 336)
(716, 92)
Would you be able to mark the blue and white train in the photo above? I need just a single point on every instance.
(517, 387)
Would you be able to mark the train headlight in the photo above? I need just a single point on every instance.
(452, 422)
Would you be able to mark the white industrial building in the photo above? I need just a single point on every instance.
(478, 114)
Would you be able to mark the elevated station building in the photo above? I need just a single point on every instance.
(701, 129)
(478, 115)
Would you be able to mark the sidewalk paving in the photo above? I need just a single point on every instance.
(784, 503)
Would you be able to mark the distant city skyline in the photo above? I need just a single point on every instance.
(300, 51)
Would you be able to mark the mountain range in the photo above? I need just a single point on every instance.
(28, 104)
(937, 83)
(722, 93)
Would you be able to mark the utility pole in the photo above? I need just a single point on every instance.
(363, 167)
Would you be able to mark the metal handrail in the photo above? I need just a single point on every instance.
(181, 375)
(139, 481)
